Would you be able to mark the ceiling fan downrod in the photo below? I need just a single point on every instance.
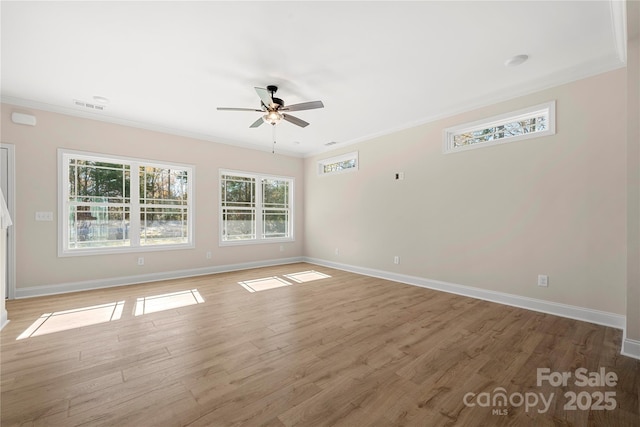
(273, 89)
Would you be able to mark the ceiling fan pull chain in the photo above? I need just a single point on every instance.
(273, 148)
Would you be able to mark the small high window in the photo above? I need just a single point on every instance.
(345, 163)
(528, 123)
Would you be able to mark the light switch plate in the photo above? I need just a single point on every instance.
(44, 216)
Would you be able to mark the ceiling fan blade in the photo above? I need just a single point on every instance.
(237, 109)
(304, 106)
(265, 96)
(295, 120)
(257, 123)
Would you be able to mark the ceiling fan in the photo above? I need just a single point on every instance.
(275, 108)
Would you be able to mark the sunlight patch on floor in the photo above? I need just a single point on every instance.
(306, 276)
(71, 319)
(258, 285)
(274, 282)
(152, 304)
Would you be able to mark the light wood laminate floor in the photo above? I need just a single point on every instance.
(341, 350)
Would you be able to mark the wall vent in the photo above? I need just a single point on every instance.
(89, 105)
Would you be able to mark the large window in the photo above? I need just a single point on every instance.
(527, 123)
(255, 208)
(111, 204)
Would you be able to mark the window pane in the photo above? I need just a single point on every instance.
(523, 123)
(238, 203)
(163, 225)
(275, 224)
(238, 191)
(163, 186)
(345, 162)
(275, 193)
(98, 226)
(339, 166)
(98, 181)
(275, 205)
(161, 191)
(238, 224)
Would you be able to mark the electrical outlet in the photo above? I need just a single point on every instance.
(337, 251)
(396, 259)
(543, 280)
(141, 261)
(281, 248)
(208, 255)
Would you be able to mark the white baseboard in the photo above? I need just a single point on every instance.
(62, 288)
(564, 310)
(630, 348)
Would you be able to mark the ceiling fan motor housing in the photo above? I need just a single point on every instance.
(277, 101)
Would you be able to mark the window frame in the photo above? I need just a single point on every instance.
(322, 164)
(258, 225)
(136, 205)
(548, 109)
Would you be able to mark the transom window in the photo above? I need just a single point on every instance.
(255, 208)
(531, 122)
(339, 164)
(111, 204)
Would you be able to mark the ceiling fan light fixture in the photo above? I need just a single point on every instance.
(272, 117)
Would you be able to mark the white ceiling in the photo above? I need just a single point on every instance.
(377, 66)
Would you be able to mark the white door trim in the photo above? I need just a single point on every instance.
(11, 204)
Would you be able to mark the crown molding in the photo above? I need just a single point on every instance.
(562, 77)
(36, 105)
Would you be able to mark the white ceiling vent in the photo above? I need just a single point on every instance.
(330, 143)
(89, 105)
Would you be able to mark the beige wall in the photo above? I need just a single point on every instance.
(492, 218)
(36, 190)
